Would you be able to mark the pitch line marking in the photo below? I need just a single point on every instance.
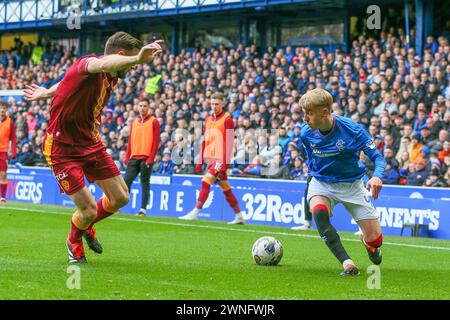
(229, 229)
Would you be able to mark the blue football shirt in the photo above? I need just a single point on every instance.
(334, 157)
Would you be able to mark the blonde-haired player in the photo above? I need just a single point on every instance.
(333, 144)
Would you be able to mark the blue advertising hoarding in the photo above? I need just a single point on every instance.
(264, 202)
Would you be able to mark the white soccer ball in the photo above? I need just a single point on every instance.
(267, 251)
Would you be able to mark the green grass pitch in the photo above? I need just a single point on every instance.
(163, 258)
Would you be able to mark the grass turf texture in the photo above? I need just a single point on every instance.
(163, 258)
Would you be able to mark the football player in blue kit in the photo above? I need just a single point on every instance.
(333, 144)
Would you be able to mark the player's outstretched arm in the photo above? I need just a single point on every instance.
(116, 62)
(375, 183)
(34, 92)
(369, 148)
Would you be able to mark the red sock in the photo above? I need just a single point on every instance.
(376, 243)
(232, 201)
(75, 233)
(4, 187)
(101, 212)
(204, 192)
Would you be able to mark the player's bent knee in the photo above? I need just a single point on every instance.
(225, 186)
(87, 208)
(87, 213)
(120, 200)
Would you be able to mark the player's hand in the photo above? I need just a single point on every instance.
(198, 168)
(374, 185)
(150, 51)
(34, 92)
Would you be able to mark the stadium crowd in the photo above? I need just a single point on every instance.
(403, 100)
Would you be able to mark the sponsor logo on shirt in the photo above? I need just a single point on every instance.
(61, 176)
(371, 144)
(321, 154)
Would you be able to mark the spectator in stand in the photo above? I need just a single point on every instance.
(391, 174)
(389, 89)
(298, 172)
(416, 148)
(276, 169)
(405, 146)
(186, 167)
(26, 156)
(418, 174)
(445, 152)
(165, 166)
(438, 144)
(404, 161)
(388, 154)
(271, 150)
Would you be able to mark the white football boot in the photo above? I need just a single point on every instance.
(238, 219)
(303, 227)
(192, 215)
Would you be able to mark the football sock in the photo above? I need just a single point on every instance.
(104, 210)
(347, 263)
(4, 186)
(77, 229)
(232, 201)
(308, 214)
(376, 243)
(328, 232)
(204, 192)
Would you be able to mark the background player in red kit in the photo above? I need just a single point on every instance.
(217, 150)
(72, 145)
(7, 135)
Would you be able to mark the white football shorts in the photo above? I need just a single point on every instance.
(353, 195)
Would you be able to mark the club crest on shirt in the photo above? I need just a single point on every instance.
(340, 144)
(65, 184)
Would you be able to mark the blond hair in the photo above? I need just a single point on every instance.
(316, 98)
(218, 95)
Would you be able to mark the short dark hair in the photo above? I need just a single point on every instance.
(121, 41)
(145, 100)
(3, 105)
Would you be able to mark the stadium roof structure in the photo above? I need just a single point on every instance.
(54, 15)
(26, 14)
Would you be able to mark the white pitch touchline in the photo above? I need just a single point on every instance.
(230, 229)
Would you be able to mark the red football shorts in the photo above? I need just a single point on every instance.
(71, 164)
(217, 172)
(3, 161)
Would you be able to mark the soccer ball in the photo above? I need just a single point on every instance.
(267, 251)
